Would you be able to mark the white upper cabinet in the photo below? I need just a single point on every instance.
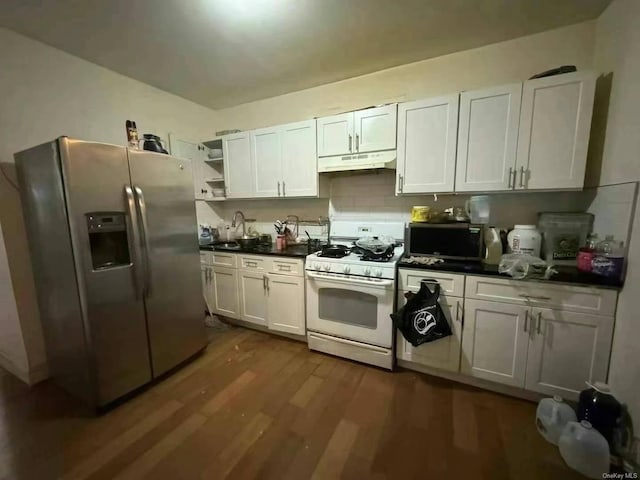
(375, 129)
(196, 153)
(335, 135)
(427, 145)
(266, 158)
(363, 131)
(299, 159)
(488, 138)
(237, 165)
(555, 122)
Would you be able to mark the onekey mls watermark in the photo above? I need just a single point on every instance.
(620, 476)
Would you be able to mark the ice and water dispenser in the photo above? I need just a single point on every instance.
(108, 239)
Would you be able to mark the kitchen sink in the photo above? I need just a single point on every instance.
(227, 245)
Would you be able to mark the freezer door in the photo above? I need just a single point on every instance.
(168, 225)
(108, 264)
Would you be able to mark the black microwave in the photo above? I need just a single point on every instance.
(451, 241)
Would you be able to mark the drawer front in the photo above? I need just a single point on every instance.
(253, 262)
(563, 297)
(451, 284)
(224, 259)
(287, 266)
(206, 258)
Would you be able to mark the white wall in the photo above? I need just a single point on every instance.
(617, 50)
(46, 93)
(513, 60)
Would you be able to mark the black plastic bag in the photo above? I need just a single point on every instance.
(422, 320)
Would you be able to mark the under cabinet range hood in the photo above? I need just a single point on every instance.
(358, 161)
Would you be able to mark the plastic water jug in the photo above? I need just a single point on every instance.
(584, 449)
(552, 416)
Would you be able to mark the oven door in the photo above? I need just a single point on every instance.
(354, 308)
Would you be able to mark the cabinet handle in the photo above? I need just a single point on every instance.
(357, 142)
(251, 264)
(539, 322)
(526, 319)
(284, 194)
(521, 177)
(350, 141)
(267, 279)
(509, 177)
(278, 188)
(533, 297)
(284, 268)
(264, 283)
(457, 310)
(400, 183)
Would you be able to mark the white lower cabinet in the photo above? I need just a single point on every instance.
(513, 339)
(267, 291)
(285, 303)
(252, 296)
(565, 350)
(224, 286)
(494, 341)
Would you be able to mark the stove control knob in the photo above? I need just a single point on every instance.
(326, 267)
(346, 269)
(367, 271)
(378, 272)
(316, 266)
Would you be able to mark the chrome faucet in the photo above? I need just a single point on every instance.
(233, 221)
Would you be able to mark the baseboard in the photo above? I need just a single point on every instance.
(474, 382)
(30, 377)
(260, 328)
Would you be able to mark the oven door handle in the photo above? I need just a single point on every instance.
(350, 281)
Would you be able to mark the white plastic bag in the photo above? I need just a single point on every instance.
(520, 266)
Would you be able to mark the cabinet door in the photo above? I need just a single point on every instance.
(444, 353)
(266, 160)
(237, 165)
(555, 122)
(495, 338)
(194, 152)
(375, 129)
(427, 145)
(252, 287)
(566, 350)
(285, 300)
(204, 278)
(224, 286)
(335, 135)
(487, 138)
(299, 160)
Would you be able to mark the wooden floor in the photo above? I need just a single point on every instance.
(258, 406)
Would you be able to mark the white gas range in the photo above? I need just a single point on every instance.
(350, 298)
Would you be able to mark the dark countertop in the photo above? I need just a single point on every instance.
(565, 274)
(296, 251)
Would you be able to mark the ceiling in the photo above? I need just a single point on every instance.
(221, 53)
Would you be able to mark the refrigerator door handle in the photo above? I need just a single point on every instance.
(131, 210)
(142, 209)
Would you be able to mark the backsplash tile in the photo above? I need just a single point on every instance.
(371, 196)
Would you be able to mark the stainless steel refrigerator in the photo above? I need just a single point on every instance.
(113, 240)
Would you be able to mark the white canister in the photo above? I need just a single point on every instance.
(525, 239)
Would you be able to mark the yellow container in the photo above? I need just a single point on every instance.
(420, 213)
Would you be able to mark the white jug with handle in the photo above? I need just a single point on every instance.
(584, 449)
(478, 208)
(552, 415)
